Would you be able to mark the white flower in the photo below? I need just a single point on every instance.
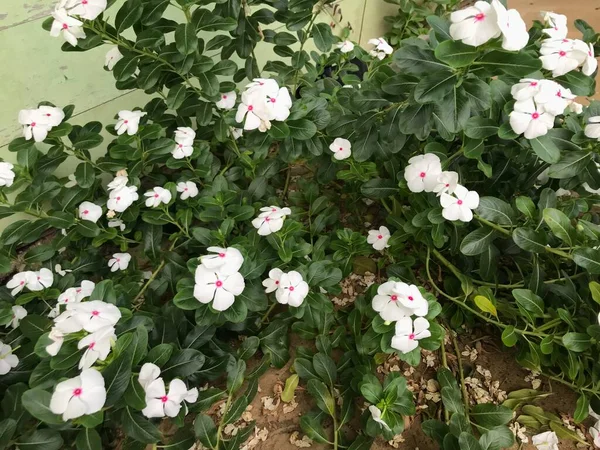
(559, 56)
(18, 282)
(272, 283)
(129, 121)
(278, 105)
(253, 111)
(512, 26)
(110, 214)
(148, 373)
(459, 206)
(236, 133)
(218, 288)
(292, 289)
(270, 220)
(266, 86)
(53, 116)
(66, 298)
(70, 27)
(97, 345)
(90, 211)
(7, 176)
(188, 189)
(35, 125)
(183, 150)
(88, 9)
(409, 332)
(592, 129)
(382, 48)
(59, 270)
(119, 261)
(554, 98)
(67, 322)
(121, 199)
(227, 100)
(38, 281)
(161, 404)
(531, 119)
(575, 107)
(85, 289)
(557, 25)
(7, 359)
(185, 136)
(376, 415)
(525, 89)
(422, 172)
(341, 148)
(157, 196)
(545, 441)
(586, 50)
(345, 46)
(475, 25)
(57, 338)
(226, 261)
(72, 181)
(18, 313)
(395, 300)
(446, 183)
(82, 395)
(379, 238)
(595, 433)
(117, 223)
(118, 182)
(113, 56)
(94, 315)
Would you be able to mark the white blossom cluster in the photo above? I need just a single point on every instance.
(262, 102)
(38, 122)
(290, 288)
(270, 220)
(424, 174)
(67, 15)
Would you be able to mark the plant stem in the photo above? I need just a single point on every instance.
(304, 39)
(460, 373)
(221, 423)
(160, 267)
(288, 176)
(386, 206)
(445, 365)
(266, 315)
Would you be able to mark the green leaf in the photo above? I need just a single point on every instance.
(477, 241)
(176, 96)
(88, 228)
(416, 60)
(467, 441)
(529, 301)
(185, 38)
(183, 363)
(325, 368)
(480, 127)
(37, 403)
(455, 53)
(571, 164)
(138, 427)
(7, 431)
(88, 439)
(322, 396)
(581, 409)
(588, 258)
(236, 409)
(104, 291)
(546, 149)
(291, 383)
(560, 225)
(435, 86)
(497, 438)
(279, 130)
(379, 188)
(205, 431)
(526, 206)
(125, 67)
(43, 439)
(485, 305)
(235, 374)
(452, 400)
(313, 428)
(33, 326)
(516, 64)
(495, 210)
(322, 36)
(595, 291)
(530, 240)
(488, 415)
(576, 342)
(302, 129)
(129, 14)
(578, 83)
(509, 337)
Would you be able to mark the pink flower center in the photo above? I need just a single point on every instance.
(411, 298)
(559, 94)
(155, 195)
(411, 336)
(260, 83)
(422, 174)
(86, 212)
(341, 149)
(267, 219)
(164, 399)
(562, 53)
(65, 26)
(95, 313)
(91, 346)
(180, 145)
(533, 83)
(535, 115)
(22, 283)
(185, 189)
(221, 255)
(291, 288)
(79, 290)
(250, 107)
(479, 17)
(379, 236)
(273, 100)
(32, 124)
(276, 281)
(118, 198)
(219, 283)
(39, 278)
(224, 97)
(48, 115)
(77, 392)
(118, 259)
(126, 121)
(590, 53)
(274, 209)
(394, 298)
(447, 185)
(66, 300)
(84, 2)
(460, 202)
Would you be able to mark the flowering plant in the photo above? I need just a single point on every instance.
(212, 214)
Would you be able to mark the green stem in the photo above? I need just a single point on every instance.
(222, 423)
(160, 267)
(445, 365)
(386, 206)
(461, 374)
(266, 315)
(304, 39)
(288, 176)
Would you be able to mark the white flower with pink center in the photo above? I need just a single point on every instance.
(341, 148)
(35, 124)
(97, 346)
(459, 206)
(379, 238)
(382, 48)
(475, 25)
(185, 135)
(560, 56)
(395, 300)
(227, 100)
(90, 211)
(292, 289)
(70, 28)
(158, 196)
(113, 56)
(94, 315)
(18, 282)
(585, 50)
(85, 289)
(446, 183)
(53, 115)
(182, 150)
(345, 46)
(121, 199)
(409, 333)
(129, 121)
(119, 261)
(252, 111)
(87, 9)
(40, 280)
(531, 119)
(79, 396)
(272, 283)
(278, 105)
(159, 403)
(188, 189)
(18, 313)
(512, 27)
(148, 373)
(217, 288)
(554, 98)
(270, 220)
(422, 172)
(8, 360)
(266, 86)
(557, 25)
(57, 337)
(526, 89)
(223, 260)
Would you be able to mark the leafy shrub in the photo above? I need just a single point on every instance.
(185, 232)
